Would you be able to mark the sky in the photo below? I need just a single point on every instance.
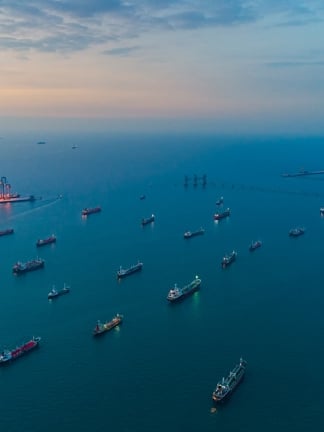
(234, 66)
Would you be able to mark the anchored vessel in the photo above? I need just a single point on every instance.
(8, 355)
(28, 266)
(228, 259)
(255, 245)
(132, 269)
(177, 293)
(88, 211)
(148, 220)
(6, 232)
(189, 234)
(296, 232)
(222, 215)
(48, 240)
(57, 293)
(109, 325)
(225, 387)
(220, 201)
(322, 211)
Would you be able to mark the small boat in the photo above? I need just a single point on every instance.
(322, 211)
(229, 259)
(177, 293)
(74, 146)
(121, 273)
(189, 234)
(222, 215)
(9, 355)
(54, 293)
(220, 201)
(146, 221)
(255, 245)
(20, 268)
(227, 385)
(142, 197)
(46, 241)
(88, 211)
(296, 232)
(41, 142)
(109, 325)
(6, 232)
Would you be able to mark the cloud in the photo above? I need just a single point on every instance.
(71, 25)
(121, 52)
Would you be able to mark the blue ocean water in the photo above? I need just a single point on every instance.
(157, 370)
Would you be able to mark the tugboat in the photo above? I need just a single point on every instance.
(88, 211)
(222, 215)
(146, 221)
(9, 355)
(177, 293)
(189, 234)
(46, 241)
(296, 232)
(6, 232)
(225, 387)
(121, 273)
(220, 201)
(20, 268)
(255, 245)
(228, 259)
(109, 325)
(54, 293)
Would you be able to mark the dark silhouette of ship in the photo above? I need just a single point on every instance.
(255, 245)
(176, 293)
(109, 325)
(88, 211)
(222, 215)
(54, 293)
(121, 273)
(46, 241)
(229, 259)
(146, 221)
(6, 232)
(20, 268)
(189, 234)
(227, 385)
(296, 232)
(220, 201)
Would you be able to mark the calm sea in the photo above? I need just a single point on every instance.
(157, 371)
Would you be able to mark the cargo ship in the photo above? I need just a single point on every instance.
(46, 241)
(109, 325)
(228, 259)
(177, 293)
(222, 215)
(20, 268)
(88, 211)
(296, 232)
(146, 221)
(9, 355)
(227, 385)
(255, 245)
(6, 232)
(54, 293)
(121, 273)
(220, 201)
(189, 234)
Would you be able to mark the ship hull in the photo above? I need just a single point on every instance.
(19, 271)
(100, 332)
(184, 295)
(18, 199)
(7, 358)
(225, 398)
(128, 273)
